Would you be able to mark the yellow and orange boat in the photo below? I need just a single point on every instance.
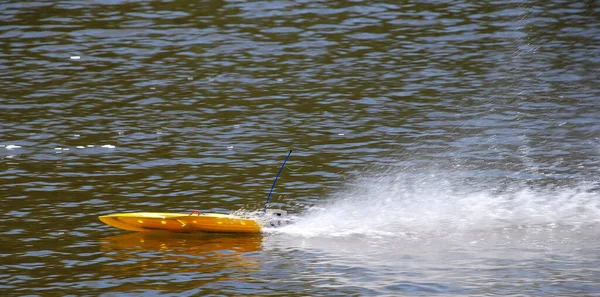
(202, 222)
(181, 222)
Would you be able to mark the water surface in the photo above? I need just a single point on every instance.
(448, 148)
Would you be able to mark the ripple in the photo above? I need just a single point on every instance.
(117, 106)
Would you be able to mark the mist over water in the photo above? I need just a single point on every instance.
(441, 204)
(436, 232)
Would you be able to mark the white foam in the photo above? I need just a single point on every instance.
(395, 206)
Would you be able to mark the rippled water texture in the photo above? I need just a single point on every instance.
(440, 147)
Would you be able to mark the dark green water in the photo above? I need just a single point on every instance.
(440, 148)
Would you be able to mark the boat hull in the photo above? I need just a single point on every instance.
(178, 222)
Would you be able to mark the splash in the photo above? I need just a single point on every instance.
(434, 205)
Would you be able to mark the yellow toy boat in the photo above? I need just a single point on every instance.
(205, 222)
(180, 222)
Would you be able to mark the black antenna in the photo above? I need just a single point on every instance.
(273, 186)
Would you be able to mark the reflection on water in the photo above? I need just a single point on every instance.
(160, 258)
(195, 245)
